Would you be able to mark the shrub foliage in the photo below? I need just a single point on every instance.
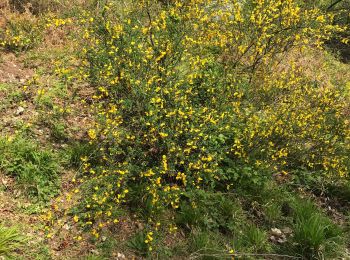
(198, 95)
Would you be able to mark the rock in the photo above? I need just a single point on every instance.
(280, 236)
(4, 182)
(120, 256)
(139, 225)
(66, 227)
(276, 232)
(19, 111)
(17, 193)
(95, 252)
(287, 230)
(282, 240)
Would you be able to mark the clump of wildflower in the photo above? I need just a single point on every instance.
(21, 33)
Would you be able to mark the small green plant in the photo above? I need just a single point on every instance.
(78, 150)
(4, 87)
(252, 239)
(94, 257)
(272, 212)
(205, 245)
(34, 168)
(256, 238)
(210, 211)
(315, 236)
(138, 245)
(58, 131)
(16, 96)
(10, 240)
(107, 247)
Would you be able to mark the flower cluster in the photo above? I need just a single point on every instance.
(22, 32)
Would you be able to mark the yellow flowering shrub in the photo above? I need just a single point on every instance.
(192, 95)
(297, 124)
(22, 32)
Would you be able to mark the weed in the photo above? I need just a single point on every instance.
(16, 96)
(10, 240)
(251, 239)
(138, 245)
(22, 32)
(34, 168)
(4, 87)
(210, 211)
(78, 150)
(315, 236)
(58, 131)
(107, 247)
(205, 245)
(272, 212)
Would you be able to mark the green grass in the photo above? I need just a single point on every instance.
(34, 168)
(10, 240)
(137, 244)
(79, 149)
(244, 222)
(315, 236)
(205, 245)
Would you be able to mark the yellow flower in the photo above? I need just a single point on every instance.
(92, 134)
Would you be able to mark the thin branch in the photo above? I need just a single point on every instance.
(334, 4)
(197, 254)
(150, 26)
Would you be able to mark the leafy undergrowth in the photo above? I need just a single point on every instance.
(148, 138)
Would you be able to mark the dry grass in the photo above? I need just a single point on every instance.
(39, 6)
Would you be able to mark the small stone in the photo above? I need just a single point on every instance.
(66, 227)
(4, 182)
(139, 225)
(120, 256)
(282, 240)
(95, 252)
(287, 230)
(276, 232)
(17, 193)
(19, 111)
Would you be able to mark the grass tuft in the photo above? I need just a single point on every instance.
(10, 240)
(315, 235)
(34, 168)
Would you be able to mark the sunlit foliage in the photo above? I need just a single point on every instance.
(198, 95)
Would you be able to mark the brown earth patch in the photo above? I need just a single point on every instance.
(12, 69)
